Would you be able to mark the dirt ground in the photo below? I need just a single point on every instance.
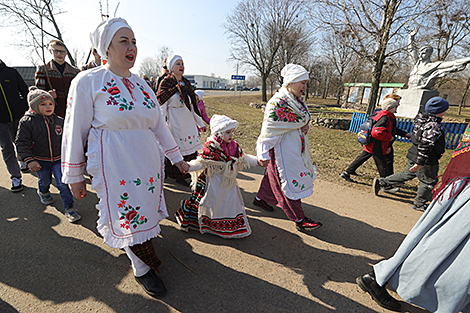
(50, 265)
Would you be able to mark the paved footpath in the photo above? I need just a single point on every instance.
(50, 265)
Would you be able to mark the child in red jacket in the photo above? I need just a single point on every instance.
(383, 133)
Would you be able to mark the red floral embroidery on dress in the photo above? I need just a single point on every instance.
(115, 96)
(297, 184)
(191, 139)
(130, 216)
(138, 182)
(148, 103)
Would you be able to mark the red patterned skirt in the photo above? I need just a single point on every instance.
(227, 227)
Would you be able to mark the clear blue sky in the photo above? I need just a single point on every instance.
(192, 29)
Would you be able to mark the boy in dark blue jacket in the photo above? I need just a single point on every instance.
(39, 145)
(423, 156)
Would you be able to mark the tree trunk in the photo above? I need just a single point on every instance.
(374, 90)
(307, 91)
(379, 55)
(264, 88)
(59, 34)
(339, 94)
(462, 101)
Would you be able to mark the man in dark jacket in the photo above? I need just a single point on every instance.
(423, 156)
(13, 93)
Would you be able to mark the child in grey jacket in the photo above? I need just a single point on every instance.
(38, 143)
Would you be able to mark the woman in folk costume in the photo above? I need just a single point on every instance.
(179, 107)
(216, 205)
(431, 266)
(284, 147)
(113, 115)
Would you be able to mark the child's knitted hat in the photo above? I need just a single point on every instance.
(36, 96)
(389, 104)
(221, 123)
(436, 105)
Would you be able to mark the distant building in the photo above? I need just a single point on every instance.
(207, 82)
(27, 72)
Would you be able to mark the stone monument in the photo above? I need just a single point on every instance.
(423, 76)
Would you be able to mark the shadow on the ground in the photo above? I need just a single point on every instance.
(63, 269)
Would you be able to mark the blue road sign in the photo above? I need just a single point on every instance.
(238, 77)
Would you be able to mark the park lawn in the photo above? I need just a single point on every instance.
(332, 150)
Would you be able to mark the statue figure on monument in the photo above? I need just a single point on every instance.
(424, 72)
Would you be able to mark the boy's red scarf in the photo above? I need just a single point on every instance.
(458, 167)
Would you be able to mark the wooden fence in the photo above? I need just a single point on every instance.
(453, 131)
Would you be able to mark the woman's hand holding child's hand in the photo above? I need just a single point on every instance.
(182, 166)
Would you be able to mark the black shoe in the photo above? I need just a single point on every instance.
(152, 284)
(345, 175)
(261, 203)
(16, 185)
(420, 208)
(379, 294)
(376, 186)
(183, 182)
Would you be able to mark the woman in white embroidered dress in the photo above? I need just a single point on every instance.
(179, 107)
(284, 148)
(114, 116)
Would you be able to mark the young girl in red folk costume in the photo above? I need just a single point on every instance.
(216, 205)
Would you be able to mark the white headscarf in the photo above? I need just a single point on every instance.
(199, 93)
(171, 61)
(103, 34)
(221, 123)
(293, 73)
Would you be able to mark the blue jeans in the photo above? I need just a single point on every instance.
(7, 132)
(45, 180)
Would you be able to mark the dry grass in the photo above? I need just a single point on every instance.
(331, 150)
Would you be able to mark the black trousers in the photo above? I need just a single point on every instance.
(384, 162)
